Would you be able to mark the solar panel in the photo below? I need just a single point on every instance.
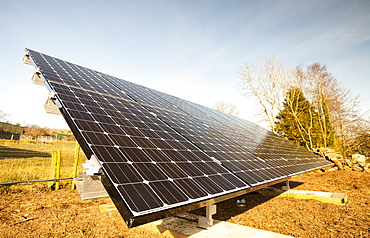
(160, 154)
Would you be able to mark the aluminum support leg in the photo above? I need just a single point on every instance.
(206, 222)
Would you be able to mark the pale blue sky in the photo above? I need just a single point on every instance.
(190, 49)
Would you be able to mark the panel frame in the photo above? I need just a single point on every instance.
(132, 218)
(133, 221)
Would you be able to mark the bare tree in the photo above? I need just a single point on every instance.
(337, 109)
(338, 114)
(266, 83)
(226, 107)
(35, 131)
(315, 83)
(3, 116)
(361, 142)
(346, 119)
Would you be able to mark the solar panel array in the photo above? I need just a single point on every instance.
(160, 152)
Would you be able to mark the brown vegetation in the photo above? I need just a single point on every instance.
(336, 112)
(20, 161)
(34, 131)
(34, 211)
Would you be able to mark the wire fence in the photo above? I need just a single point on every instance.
(33, 162)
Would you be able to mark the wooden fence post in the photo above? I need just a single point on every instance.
(52, 168)
(77, 156)
(55, 169)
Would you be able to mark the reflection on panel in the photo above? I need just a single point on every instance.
(159, 152)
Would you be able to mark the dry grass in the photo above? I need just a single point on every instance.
(36, 211)
(23, 161)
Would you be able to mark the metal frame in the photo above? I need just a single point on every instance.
(207, 221)
(135, 220)
(132, 221)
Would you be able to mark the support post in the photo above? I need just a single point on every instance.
(206, 222)
(287, 186)
(209, 213)
(76, 158)
(52, 168)
(57, 171)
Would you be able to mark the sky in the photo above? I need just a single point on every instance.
(189, 49)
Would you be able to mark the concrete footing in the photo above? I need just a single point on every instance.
(334, 198)
(187, 226)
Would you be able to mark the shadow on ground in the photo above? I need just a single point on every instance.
(8, 152)
(228, 209)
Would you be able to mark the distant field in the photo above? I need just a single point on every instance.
(23, 161)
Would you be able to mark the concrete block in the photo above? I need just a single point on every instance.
(333, 198)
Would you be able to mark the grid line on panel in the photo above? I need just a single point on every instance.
(203, 146)
(161, 152)
(283, 167)
(184, 167)
(290, 167)
(154, 103)
(128, 140)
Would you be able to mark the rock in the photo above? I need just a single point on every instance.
(348, 163)
(347, 167)
(356, 162)
(357, 168)
(366, 168)
(329, 154)
(361, 159)
(338, 164)
(333, 169)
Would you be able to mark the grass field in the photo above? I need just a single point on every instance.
(24, 161)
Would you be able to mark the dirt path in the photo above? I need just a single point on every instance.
(38, 212)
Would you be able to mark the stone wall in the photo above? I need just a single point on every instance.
(356, 163)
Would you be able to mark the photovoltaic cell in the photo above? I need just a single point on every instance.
(160, 152)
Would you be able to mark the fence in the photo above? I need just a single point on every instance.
(30, 161)
(38, 138)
